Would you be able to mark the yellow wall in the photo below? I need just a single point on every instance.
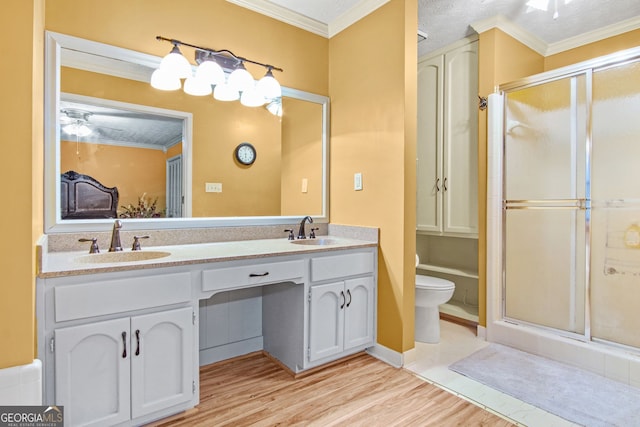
(373, 101)
(593, 50)
(21, 114)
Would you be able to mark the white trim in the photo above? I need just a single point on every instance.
(544, 49)
(387, 355)
(284, 15)
(515, 31)
(353, 15)
(594, 36)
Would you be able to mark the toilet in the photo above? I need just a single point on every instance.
(430, 293)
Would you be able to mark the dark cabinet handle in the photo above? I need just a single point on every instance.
(259, 275)
(437, 184)
(343, 299)
(349, 293)
(445, 185)
(137, 342)
(124, 343)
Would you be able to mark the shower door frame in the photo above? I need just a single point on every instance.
(500, 326)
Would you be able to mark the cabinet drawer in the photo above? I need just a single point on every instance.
(338, 266)
(252, 275)
(120, 295)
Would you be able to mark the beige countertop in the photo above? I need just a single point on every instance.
(60, 264)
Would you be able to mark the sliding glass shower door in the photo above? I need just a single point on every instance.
(571, 202)
(544, 193)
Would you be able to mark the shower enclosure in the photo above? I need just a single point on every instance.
(564, 207)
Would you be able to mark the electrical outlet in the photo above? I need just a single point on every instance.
(304, 185)
(357, 181)
(213, 187)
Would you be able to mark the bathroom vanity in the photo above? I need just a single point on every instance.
(122, 337)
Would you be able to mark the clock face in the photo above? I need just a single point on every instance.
(245, 153)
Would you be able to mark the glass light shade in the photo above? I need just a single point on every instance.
(224, 92)
(275, 107)
(210, 72)
(160, 79)
(78, 129)
(252, 98)
(197, 87)
(240, 79)
(269, 87)
(176, 64)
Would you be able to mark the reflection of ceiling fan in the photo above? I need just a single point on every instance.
(76, 122)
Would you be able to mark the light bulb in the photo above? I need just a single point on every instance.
(161, 79)
(224, 92)
(252, 98)
(268, 86)
(176, 64)
(210, 72)
(197, 86)
(240, 79)
(275, 107)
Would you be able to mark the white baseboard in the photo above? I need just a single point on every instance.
(22, 385)
(387, 355)
(481, 332)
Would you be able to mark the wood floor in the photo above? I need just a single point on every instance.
(362, 391)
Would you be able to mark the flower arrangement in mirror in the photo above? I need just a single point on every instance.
(144, 209)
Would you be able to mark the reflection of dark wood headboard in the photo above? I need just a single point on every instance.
(82, 197)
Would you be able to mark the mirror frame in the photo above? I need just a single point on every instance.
(53, 223)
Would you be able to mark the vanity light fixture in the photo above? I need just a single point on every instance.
(211, 75)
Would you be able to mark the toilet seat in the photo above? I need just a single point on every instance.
(433, 283)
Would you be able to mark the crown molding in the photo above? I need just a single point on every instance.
(284, 15)
(357, 12)
(594, 36)
(353, 15)
(515, 31)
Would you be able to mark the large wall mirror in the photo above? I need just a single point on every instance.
(171, 156)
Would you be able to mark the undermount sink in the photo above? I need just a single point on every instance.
(314, 242)
(115, 257)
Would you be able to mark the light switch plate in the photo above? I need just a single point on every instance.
(305, 184)
(213, 187)
(357, 181)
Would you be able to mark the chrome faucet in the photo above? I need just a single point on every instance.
(115, 237)
(301, 234)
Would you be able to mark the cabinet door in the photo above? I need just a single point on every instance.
(429, 147)
(92, 369)
(460, 136)
(161, 360)
(326, 320)
(358, 312)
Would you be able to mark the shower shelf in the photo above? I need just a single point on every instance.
(448, 270)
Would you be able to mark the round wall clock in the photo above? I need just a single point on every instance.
(245, 153)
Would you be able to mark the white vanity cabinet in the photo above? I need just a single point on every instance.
(119, 348)
(108, 372)
(341, 312)
(341, 317)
